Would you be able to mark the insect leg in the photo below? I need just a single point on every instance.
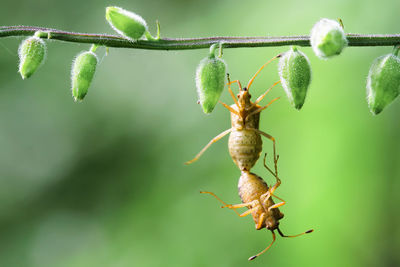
(273, 141)
(267, 196)
(255, 75)
(229, 108)
(273, 240)
(220, 200)
(252, 206)
(263, 95)
(275, 174)
(235, 81)
(230, 90)
(278, 181)
(277, 205)
(261, 221)
(215, 139)
(236, 206)
(261, 108)
(247, 212)
(254, 203)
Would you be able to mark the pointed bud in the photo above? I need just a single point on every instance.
(210, 80)
(295, 75)
(126, 23)
(83, 70)
(383, 82)
(32, 53)
(327, 38)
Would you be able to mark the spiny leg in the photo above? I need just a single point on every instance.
(230, 90)
(255, 75)
(263, 95)
(273, 240)
(215, 139)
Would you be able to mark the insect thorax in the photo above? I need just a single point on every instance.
(243, 121)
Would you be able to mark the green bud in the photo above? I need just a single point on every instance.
(82, 73)
(383, 82)
(32, 53)
(328, 38)
(295, 74)
(210, 80)
(126, 23)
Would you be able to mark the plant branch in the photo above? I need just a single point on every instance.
(193, 43)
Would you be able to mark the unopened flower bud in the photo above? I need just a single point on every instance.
(383, 82)
(32, 52)
(295, 75)
(210, 81)
(328, 38)
(126, 23)
(83, 70)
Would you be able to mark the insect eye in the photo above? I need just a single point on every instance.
(245, 89)
(238, 95)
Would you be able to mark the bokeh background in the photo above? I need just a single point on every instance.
(102, 183)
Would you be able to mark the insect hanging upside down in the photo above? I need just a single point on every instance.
(257, 197)
(245, 142)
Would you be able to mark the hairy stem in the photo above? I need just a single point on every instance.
(193, 43)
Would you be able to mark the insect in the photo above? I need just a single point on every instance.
(257, 197)
(245, 142)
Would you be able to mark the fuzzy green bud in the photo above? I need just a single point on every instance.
(383, 82)
(328, 38)
(210, 81)
(83, 70)
(295, 75)
(32, 53)
(126, 23)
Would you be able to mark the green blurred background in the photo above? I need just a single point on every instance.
(102, 183)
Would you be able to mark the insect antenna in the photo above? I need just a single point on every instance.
(263, 66)
(266, 92)
(273, 240)
(306, 232)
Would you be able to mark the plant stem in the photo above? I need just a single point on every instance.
(193, 43)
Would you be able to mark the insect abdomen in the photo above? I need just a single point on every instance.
(245, 147)
(252, 187)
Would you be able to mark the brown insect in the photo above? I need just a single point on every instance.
(257, 197)
(245, 142)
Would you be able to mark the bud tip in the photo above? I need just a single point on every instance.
(126, 23)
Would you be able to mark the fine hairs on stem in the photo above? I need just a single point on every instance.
(192, 43)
